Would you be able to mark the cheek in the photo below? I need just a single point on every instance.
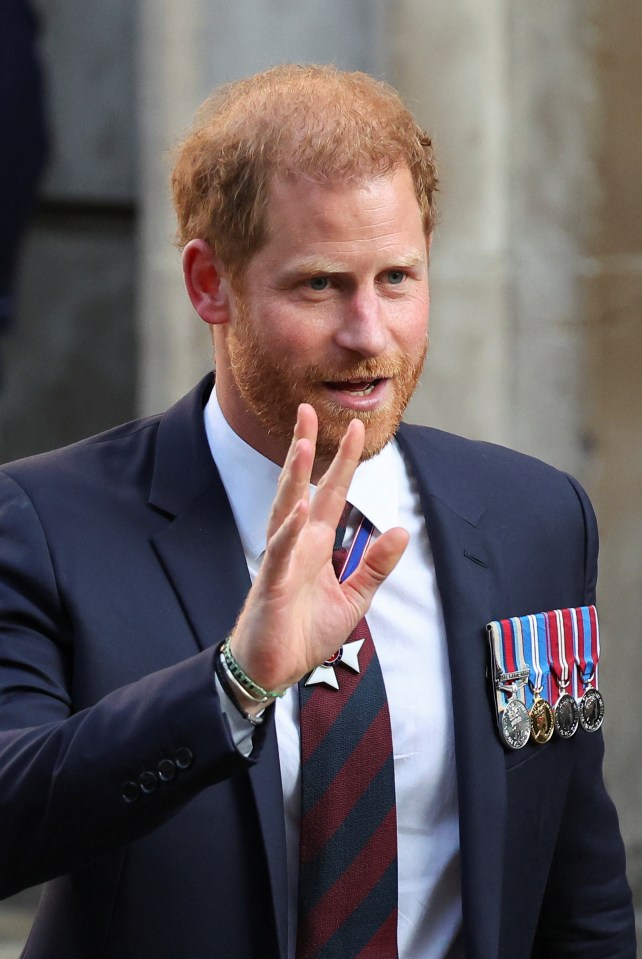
(410, 327)
(294, 332)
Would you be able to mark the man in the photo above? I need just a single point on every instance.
(159, 790)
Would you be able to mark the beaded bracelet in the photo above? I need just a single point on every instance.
(231, 688)
(256, 693)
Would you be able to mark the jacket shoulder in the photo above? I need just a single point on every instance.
(479, 467)
(110, 451)
(479, 453)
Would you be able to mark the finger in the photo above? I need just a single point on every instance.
(279, 549)
(294, 479)
(305, 427)
(293, 487)
(333, 486)
(379, 560)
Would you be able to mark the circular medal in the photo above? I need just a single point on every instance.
(542, 721)
(567, 716)
(334, 659)
(591, 710)
(515, 724)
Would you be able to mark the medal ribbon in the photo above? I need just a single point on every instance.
(357, 549)
(519, 639)
(562, 650)
(559, 667)
(534, 633)
(588, 644)
(508, 659)
(544, 654)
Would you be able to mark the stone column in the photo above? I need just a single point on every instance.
(537, 277)
(450, 61)
(508, 92)
(615, 406)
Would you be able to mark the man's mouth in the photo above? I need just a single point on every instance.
(356, 387)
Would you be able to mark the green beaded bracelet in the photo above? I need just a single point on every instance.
(253, 690)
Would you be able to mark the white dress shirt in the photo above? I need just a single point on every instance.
(406, 622)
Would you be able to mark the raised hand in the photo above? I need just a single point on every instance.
(297, 613)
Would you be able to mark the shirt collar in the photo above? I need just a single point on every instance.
(250, 481)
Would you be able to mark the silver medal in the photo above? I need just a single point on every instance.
(567, 716)
(591, 708)
(515, 724)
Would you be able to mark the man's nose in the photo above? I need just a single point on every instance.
(363, 328)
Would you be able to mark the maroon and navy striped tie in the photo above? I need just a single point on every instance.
(348, 853)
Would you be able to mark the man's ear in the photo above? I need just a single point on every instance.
(206, 282)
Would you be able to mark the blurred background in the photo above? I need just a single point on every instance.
(536, 337)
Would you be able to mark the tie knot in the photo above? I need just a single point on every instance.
(340, 533)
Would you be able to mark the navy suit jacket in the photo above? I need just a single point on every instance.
(121, 569)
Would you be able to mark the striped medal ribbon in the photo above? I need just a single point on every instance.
(540, 710)
(511, 677)
(561, 643)
(591, 703)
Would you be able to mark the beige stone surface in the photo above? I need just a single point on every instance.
(614, 399)
(537, 277)
(616, 402)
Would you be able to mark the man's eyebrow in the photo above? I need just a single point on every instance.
(314, 266)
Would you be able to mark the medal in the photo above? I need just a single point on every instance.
(515, 723)
(348, 654)
(541, 714)
(567, 716)
(511, 676)
(562, 658)
(591, 703)
(591, 710)
(542, 720)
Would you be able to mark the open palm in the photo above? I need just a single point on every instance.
(297, 613)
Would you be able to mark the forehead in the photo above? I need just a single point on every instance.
(365, 215)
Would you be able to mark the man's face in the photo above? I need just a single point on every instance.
(333, 312)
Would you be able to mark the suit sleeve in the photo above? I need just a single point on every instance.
(75, 784)
(587, 910)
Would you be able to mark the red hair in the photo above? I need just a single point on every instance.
(313, 121)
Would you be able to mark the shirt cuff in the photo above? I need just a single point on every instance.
(242, 729)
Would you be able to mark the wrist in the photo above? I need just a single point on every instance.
(250, 688)
(248, 708)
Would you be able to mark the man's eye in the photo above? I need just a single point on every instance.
(395, 277)
(319, 283)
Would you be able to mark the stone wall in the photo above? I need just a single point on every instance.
(69, 365)
(614, 403)
(537, 278)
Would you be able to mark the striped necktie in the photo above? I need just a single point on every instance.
(348, 839)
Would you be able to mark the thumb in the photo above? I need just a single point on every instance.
(380, 559)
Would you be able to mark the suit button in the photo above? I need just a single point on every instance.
(166, 770)
(130, 792)
(184, 757)
(148, 781)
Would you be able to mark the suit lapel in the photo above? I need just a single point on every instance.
(464, 566)
(202, 555)
(199, 548)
